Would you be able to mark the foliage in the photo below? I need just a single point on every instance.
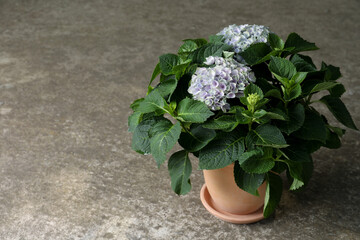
(268, 128)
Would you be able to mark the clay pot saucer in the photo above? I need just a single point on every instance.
(228, 217)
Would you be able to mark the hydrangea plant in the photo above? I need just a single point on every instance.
(244, 97)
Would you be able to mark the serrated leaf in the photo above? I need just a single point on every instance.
(269, 135)
(313, 128)
(296, 171)
(337, 91)
(241, 117)
(255, 53)
(302, 64)
(296, 119)
(299, 44)
(152, 102)
(134, 106)
(179, 167)
(251, 89)
(134, 120)
(166, 87)
(188, 47)
(275, 41)
(299, 77)
(249, 154)
(222, 151)
(323, 86)
(167, 63)
(258, 165)
(141, 137)
(332, 140)
(155, 73)
(164, 136)
(282, 67)
(295, 92)
(273, 93)
(211, 49)
(332, 73)
(297, 153)
(216, 38)
(339, 110)
(198, 138)
(226, 123)
(249, 182)
(199, 41)
(273, 193)
(277, 114)
(190, 110)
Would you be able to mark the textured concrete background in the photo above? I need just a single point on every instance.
(69, 70)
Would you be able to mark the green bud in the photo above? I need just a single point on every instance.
(253, 98)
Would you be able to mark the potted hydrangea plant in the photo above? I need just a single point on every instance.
(242, 103)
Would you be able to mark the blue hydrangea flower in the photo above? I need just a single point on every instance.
(240, 37)
(214, 85)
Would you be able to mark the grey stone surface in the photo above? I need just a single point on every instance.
(69, 70)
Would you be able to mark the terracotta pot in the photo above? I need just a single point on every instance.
(221, 195)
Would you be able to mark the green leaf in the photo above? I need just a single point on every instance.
(241, 117)
(296, 118)
(339, 110)
(166, 87)
(190, 110)
(210, 49)
(294, 40)
(273, 193)
(180, 69)
(275, 41)
(141, 137)
(299, 77)
(167, 63)
(273, 93)
(248, 182)
(293, 93)
(249, 154)
(337, 91)
(332, 140)
(255, 53)
(276, 114)
(164, 135)
(188, 47)
(332, 73)
(323, 86)
(216, 38)
(296, 172)
(269, 135)
(258, 165)
(282, 67)
(226, 123)
(156, 72)
(251, 89)
(179, 167)
(302, 64)
(313, 127)
(134, 120)
(199, 41)
(152, 102)
(222, 151)
(339, 131)
(297, 153)
(134, 106)
(198, 138)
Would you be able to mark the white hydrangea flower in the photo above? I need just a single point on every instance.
(213, 85)
(240, 37)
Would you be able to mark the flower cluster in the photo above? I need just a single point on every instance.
(226, 79)
(242, 36)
